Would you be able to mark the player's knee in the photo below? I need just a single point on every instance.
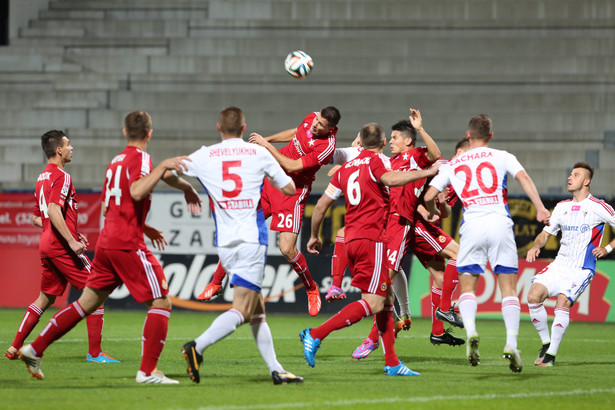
(162, 303)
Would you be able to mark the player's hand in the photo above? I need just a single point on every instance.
(193, 201)
(333, 170)
(532, 254)
(83, 239)
(314, 245)
(599, 252)
(433, 170)
(256, 138)
(543, 215)
(155, 236)
(77, 247)
(176, 164)
(415, 119)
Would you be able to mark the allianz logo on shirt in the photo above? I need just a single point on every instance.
(583, 228)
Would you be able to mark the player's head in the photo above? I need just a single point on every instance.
(55, 143)
(372, 136)
(580, 177)
(479, 128)
(462, 146)
(231, 122)
(403, 137)
(326, 121)
(138, 126)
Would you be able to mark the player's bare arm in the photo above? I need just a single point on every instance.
(192, 198)
(542, 213)
(37, 221)
(144, 186)
(288, 189)
(155, 236)
(282, 136)
(433, 152)
(57, 220)
(539, 242)
(397, 178)
(289, 165)
(314, 244)
(602, 252)
(430, 201)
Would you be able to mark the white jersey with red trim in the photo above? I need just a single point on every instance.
(233, 172)
(480, 179)
(582, 227)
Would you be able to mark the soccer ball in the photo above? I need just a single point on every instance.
(298, 64)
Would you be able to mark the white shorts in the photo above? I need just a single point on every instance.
(560, 278)
(488, 238)
(245, 263)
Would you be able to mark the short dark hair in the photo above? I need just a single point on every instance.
(586, 166)
(406, 128)
(137, 125)
(50, 141)
(480, 127)
(463, 143)
(231, 120)
(372, 135)
(331, 114)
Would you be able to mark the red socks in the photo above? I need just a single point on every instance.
(437, 327)
(300, 266)
(219, 275)
(58, 326)
(348, 316)
(95, 328)
(339, 261)
(386, 328)
(154, 337)
(29, 321)
(451, 279)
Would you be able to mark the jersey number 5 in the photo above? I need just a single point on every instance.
(467, 192)
(227, 175)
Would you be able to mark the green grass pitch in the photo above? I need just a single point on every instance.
(233, 375)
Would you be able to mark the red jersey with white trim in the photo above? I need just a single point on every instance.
(125, 217)
(367, 199)
(582, 227)
(54, 185)
(407, 199)
(313, 151)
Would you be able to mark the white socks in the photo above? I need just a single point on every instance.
(467, 308)
(221, 327)
(558, 329)
(264, 342)
(400, 288)
(538, 315)
(511, 311)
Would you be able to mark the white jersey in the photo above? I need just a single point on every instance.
(232, 172)
(480, 180)
(582, 226)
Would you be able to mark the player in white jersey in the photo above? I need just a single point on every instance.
(581, 221)
(233, 174)
(479, 177)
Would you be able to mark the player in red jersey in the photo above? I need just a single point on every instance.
(121, 255)
(310, 146)
(363, 182)
(61, 246)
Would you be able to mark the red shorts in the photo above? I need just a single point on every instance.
(59, 271)
(286, 211)
(428, 241)
(397, 240)
(367, 266)
(139, 270)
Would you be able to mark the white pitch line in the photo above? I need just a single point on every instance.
(425, 399)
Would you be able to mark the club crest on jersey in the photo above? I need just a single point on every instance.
(584, 228)
(164, 284)
(383, 287)
(441, 239)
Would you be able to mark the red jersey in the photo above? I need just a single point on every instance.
(125, 217)
(408, 200)
(367, 199)
(313, 151)
(55, 186)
